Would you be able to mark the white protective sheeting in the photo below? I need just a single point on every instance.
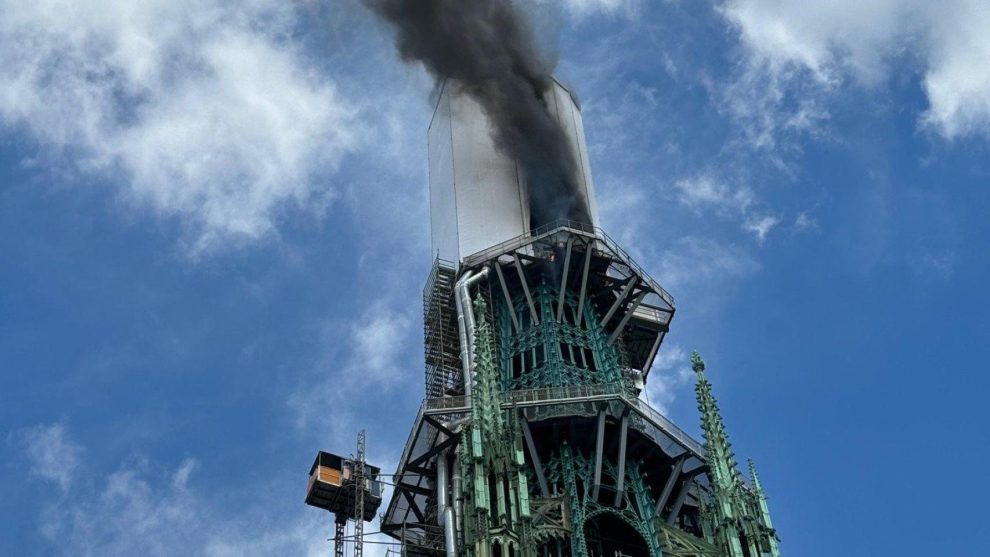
(478, 196)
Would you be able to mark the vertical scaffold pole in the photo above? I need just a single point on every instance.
(359, 488)
(340, 523)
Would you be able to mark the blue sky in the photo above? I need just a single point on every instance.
(214, 235)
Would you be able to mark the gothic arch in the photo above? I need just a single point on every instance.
(609, 533)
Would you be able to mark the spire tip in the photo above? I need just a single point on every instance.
(697, 363)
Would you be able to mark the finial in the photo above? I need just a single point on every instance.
(697, 363)
(752, 475)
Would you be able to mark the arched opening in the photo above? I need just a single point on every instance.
(610, 536)
(744, 542)
(493, 500)
(554, 547)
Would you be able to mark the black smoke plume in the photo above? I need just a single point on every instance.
(488, 46)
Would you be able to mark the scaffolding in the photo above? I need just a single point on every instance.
(350, 489)
(443, 362)
(360, 483)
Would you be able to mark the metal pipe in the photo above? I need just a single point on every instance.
(446, 512)
(457, 425)
(462, 332)
(458, 495)
(469, 325)
(466, 324)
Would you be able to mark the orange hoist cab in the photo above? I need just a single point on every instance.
(332, 486)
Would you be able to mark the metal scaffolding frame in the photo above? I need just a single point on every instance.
(443, 367)
(569, 286)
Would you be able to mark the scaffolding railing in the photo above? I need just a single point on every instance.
(446, 403)
(568, 395)
(563, 394)
(658, 419)
(574, 227)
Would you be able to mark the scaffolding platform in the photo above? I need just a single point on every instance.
(332, 486)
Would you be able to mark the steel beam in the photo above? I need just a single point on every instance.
(440, 427)
(563, 280)
(418, 490)
(449, 442)
(668, 488)
(695, 471)
(422, 471)
(537, 465)
(386, 528)
(413, 506)
(679, 502)
(619, 299)
(505, 292)
(653, 353)
(599, 446)
(584, 282)
(621, 474)
(525, 286)
(625, 319)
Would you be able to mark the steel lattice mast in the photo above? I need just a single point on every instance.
(340, 530)
(359, 487)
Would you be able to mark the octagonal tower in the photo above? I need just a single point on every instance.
(533, 440)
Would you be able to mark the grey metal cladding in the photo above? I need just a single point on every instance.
(478, 196)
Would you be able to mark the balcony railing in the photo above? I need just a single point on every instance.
(574, 227)
(569, 395)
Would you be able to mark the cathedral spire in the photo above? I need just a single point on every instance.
(487, 405)
(721, 460)
(761, 503)
(726, 508)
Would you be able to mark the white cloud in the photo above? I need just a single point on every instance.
(938, 264)
(583, 8)
(693, 259)
(671, 372)
(146, 508)
(378, 361)
(827, 38)
(957, 81)
(52, 456)
(202, 111)
(143, 509)
(770, 106)
(761, 226)
(707, 192)
(803, 222)
(378, 338)
(825, 42)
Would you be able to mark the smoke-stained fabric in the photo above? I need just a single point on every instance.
(488, 47)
